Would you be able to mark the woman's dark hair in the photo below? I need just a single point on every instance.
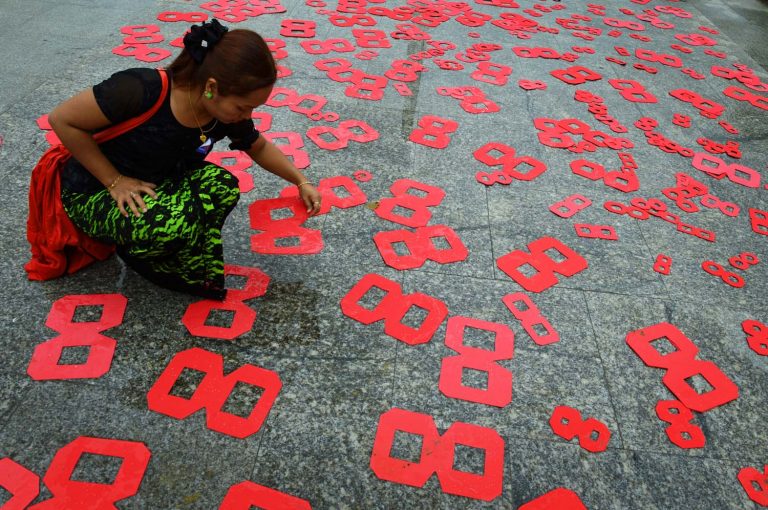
(240, 62)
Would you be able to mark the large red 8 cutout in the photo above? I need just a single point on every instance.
(421, 246)
(433, 131)
(556, 499)
(45, 358)
(681, 364)
(546, 267)
(197, 313)
(213, 391)
(499, 384)
(403, 197)
(22, 484)
(273, 231)
(68, 493)
(437, 455)
(247, 495)
(392, 309)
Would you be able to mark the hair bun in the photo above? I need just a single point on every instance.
(202, 38)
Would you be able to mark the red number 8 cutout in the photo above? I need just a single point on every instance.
(22, 484)
(392, 309)
(755, 484)
(681, 364)
(213, 391)
(437, 455)
(68, 493)
(403, 198)
(247, 495)
(681, 431)
(433, 131)
(45, 359)
(273, 231)
(567, 423)
(757, 336)
(499, 388)
(197, 313)
(530, 316)
(421, 246)
(546, 268)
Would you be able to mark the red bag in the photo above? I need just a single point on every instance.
(58, 246)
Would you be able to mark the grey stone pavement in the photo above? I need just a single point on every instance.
(338, 375)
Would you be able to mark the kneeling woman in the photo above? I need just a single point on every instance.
(149, 190)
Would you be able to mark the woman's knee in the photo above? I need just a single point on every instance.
(220, 185)
(161, 230)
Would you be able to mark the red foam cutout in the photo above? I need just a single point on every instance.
(297, 28)
(498, 390)
(403, 197)
(292, 149)
(569, 206)
(197, 314)
(567, 423)
(68, 493)
(530, 317)
(272, 231)
(576, 75)
(22, 484)
(213, 391)
(560, 498)
(392, 309)
(606, 232)
(546, 267)
(437, 455)
(247, 495)
(681, 431)
(433, 131)
(755, 484)
(238, 168)
(420, 246)
(680, 365)
(757, 336)
(44, 364)
(663, 264)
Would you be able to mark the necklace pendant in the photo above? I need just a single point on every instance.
(203, 138)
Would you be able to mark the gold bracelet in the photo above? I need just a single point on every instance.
(114, 183)
(302, 184)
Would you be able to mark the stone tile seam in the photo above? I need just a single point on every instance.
(602, 366)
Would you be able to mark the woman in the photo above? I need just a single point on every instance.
(149, 190)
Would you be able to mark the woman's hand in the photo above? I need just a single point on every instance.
(311, 198)
(127, 192)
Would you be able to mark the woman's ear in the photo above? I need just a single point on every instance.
(212, 87)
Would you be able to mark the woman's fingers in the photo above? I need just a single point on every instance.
(132, 202)
(149, 189)
(121, 208)
(137, 198)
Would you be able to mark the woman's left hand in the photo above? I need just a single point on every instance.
(311, 198)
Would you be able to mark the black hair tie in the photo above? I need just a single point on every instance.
(203, 37)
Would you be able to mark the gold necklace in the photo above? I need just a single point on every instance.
(203, 138)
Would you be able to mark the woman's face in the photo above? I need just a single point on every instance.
(231, 109)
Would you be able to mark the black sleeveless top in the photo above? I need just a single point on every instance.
(159, 149)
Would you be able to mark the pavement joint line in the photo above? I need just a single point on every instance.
(607, 382)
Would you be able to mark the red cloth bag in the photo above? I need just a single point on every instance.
(58, 246)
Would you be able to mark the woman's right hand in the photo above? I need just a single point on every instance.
(128, 191)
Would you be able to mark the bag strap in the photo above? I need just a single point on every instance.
(124, 127)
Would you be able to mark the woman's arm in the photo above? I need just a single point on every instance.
(269, 157)
(73, 121)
